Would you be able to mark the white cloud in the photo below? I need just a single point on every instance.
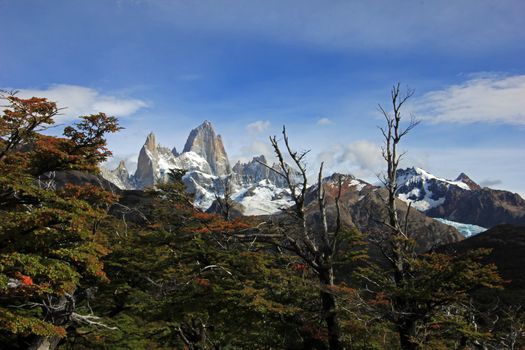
(360, 158)
(364, 155)
(79, 100)
(258, 126)
(489, 98)
(324, 121)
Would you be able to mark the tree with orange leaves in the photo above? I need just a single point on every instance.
(50, 247)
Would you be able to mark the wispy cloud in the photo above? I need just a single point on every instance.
(453, 25)
(258, 126)
(360, 158)
(79, 100)
(324, 121)
(364, 155)
(490, 98)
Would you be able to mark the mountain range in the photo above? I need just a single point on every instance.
(257, 190)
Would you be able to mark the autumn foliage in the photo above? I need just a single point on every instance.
(49, 240)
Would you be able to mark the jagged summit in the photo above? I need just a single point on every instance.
(206, 143)
(145, 172)
(121, 166)
(118, 176)
(257, 170)
(424, 190)
(255, 159)
(150, 143)
(467, 180)
(406, 177)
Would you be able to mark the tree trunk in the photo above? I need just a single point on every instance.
(329, 310)
(407, 333)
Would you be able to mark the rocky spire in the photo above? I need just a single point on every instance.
(203, 141)
(121, 176)
(467, 180)
(151, 144)
(146, 165)
(122, 166)
(121, 171)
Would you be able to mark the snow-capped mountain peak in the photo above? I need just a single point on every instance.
(415, 175)
(425, 190)
(205, 142)
(257, 188)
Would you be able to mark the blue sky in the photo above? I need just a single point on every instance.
(320, 67)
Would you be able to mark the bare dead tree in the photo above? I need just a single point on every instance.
(316, 247)
(393, 133)
(414, 301)
(397, 248)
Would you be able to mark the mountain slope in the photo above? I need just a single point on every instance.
(362, 207)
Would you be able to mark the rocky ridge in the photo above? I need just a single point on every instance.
(461, 200)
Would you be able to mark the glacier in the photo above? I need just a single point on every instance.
(466, 230)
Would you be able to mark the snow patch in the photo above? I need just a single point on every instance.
(263, 199)
(423, 204)
(358, 185)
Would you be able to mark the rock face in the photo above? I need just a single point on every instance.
(203, 141)
(145, 172)
(467, 180)
(369, 213)
(484, 207)
(153, 164)
(461, 200)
